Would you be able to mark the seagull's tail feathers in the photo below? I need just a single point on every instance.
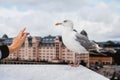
(98, 49)
(95, 47)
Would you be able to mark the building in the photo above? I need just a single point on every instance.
(100, 59)
(47, 49)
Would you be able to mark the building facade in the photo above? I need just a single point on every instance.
(49, 49)
(100, 60)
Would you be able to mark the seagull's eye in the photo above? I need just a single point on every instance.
(65, 20)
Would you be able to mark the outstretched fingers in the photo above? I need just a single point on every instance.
(21, 33)
(23, 37)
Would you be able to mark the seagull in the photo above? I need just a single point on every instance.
(74, 41)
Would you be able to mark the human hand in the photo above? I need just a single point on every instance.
(18, 40)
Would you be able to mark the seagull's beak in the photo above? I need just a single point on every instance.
(58, 24)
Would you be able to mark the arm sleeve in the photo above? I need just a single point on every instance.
(4, 51)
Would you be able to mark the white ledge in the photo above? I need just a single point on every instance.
(47, 72)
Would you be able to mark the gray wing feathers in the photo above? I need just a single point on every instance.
(84, 41)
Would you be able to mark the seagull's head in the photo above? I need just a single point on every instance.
(66, 23)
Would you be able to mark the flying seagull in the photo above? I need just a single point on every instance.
(74, 41)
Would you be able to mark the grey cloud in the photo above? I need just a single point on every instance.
(41, 15)
(99, 13)
(116, 28)
(48, 5)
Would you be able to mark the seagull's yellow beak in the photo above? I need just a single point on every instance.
(58, 24)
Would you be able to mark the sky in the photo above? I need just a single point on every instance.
(99, 18)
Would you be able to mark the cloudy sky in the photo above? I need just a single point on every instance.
(100, 18)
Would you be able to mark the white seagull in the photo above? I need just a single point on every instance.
(75, 41)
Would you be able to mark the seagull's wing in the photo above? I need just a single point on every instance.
(74, 30)
(95, 45)
(84, 41)
(83, 32)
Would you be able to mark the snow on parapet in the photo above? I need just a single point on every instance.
(47, 72)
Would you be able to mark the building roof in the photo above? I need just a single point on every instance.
(47, 41)
(8, 41)
(5, 36)
(98, 55)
